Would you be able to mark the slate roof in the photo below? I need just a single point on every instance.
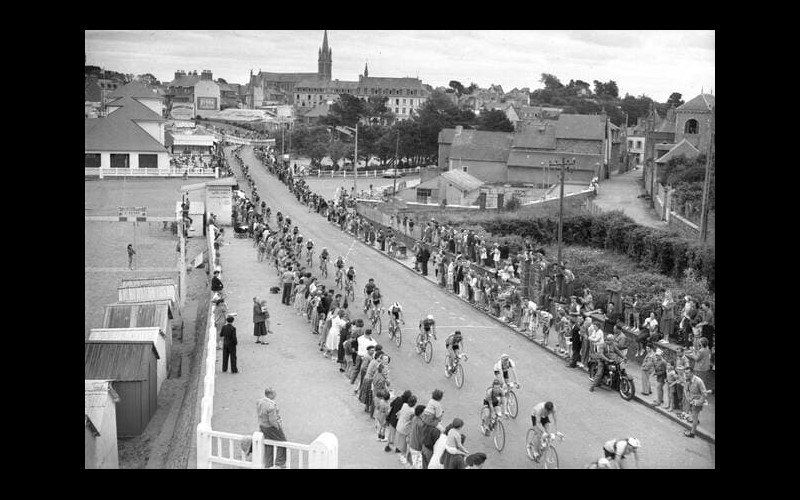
(703, 102)
(286, 77)
(583, 127)
(135, 89)
(537, 136)
(387, 82)
(184, 81)
(318, 111)
(462, 180)
(325, 84)
(683, 148)
(119, 133)
(481, 145)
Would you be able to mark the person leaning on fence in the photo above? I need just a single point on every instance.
(270, 423)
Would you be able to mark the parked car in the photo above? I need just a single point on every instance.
(391, 173)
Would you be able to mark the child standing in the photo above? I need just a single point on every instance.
(381, 412)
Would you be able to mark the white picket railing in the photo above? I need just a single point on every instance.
(151, 172)
(361, 173)
(224, 448)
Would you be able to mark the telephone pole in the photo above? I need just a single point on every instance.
(564, 166)
(396, 163)
(707, 185)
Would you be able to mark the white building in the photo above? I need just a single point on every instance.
(100, 425)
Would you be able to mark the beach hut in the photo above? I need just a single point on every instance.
(133, 370)
(151, 335)
(150, 290)
(142, 314)
(100, 425)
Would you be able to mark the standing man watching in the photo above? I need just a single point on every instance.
(216, 283)
(131, 253)
(269, 422)
(287, 279)
(229, 342)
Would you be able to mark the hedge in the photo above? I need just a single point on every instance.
(666, 252)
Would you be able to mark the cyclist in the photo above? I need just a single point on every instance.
(376, 298)
(368, 289)
(427, 326)
(504, 365)
(279, 216)
(395, 314)
(617, 449)
(339, 263)
(309, 245)
(492, 399)
(540, 420)
(453, 345)
(350, 276)
(298, 243)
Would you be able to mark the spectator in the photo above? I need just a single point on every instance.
(216, 283)
(667, 315)
(675, 388)
(651, 324)
(260, 315)
(433, 410)
(415, 437)
(702, 361)
(228, 334)
(688, 315)
(660, 370)
(706, 323)
(615, 293)
(381, 380)
(287, 279)
(381, 412)
(269, 422)
(681, 361)
(648, 367)
(131, 253)
(430, 435)
(391, 419)
(577, 341)
(621, 340)
(220, 315)
(697, 397)
(454, 445)
(404, 417)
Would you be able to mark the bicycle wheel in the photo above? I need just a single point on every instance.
(530, 442)
(459, 376)
(418, 343)
(447, 372)
(484, 416)
(398, 336)
(428, 351)
(513, 407)
(499, 435)
(379, 323)
(550, 458)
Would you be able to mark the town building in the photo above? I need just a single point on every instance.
(131, 136)
(189, 95)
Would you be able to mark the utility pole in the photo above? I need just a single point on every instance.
(707, 185)
(563, 165)
(355, 165)
(396, 163)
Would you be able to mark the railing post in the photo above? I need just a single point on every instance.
(324, 453)
(258, 450)
(203, 446)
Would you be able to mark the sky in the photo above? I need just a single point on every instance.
(651, 63)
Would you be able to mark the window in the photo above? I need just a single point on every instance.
(638, 144)
(423, 195)
(92, 160)
(120, 160)
(397, 111)
(464, 168)
(404, 110)
(397, 102)
(630, 143)
(691, 127)
(148, 161)
(404, 101)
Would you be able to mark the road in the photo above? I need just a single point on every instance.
(314, 397)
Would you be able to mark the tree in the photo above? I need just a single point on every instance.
(608, 88)
(675, 99)
(338, 150)
(472, 87)
(495, 121)
(346, 111)
(222, 81)
(311, 142)
(376, 110)
(457, 87)
(551, 82)
(148, 79)
(636, 107)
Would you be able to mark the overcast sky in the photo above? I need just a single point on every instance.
(654, 63)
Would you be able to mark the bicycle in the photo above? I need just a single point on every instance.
(310, 258)
(512, 405)
(496, 428)
(375, 319)
(424, 346)
(323, 267)
(339, 278)
(457, 369)
(349, 290)
(394, 331)
(548, 457)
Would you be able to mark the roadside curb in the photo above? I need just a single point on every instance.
(700, 433)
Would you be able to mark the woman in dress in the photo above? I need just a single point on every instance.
(259, 322)
(667, 315)
(220, 315)
(332, 340)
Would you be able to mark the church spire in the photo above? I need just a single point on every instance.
(325, 61)
(366, 70)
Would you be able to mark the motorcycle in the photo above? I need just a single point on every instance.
(616, 378)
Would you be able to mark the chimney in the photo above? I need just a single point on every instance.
(179, 74)
(206, 75)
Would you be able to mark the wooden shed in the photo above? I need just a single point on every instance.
(150, 335)
(133, 370)
(150, 290)
(141, 315)
(100, 425)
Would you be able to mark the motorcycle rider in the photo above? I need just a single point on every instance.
(607, 352)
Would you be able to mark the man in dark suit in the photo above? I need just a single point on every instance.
(216, 283)
(228, 334)
(424, 257)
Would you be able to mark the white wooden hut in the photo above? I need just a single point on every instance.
(100, 425)
(148, 335)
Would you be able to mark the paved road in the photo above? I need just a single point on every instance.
(314, 397)
(621, 191)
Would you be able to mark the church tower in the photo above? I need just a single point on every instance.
(325, 59)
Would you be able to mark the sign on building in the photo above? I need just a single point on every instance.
(138, 214)
(207, 103)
